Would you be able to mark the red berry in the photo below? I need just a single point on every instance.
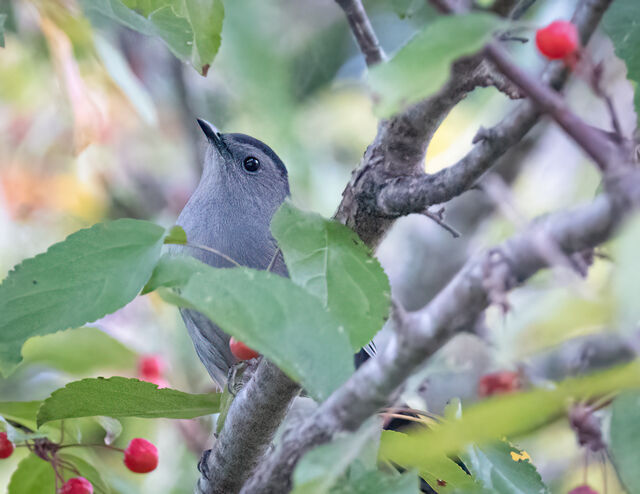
(150, 367)
(6, 446)
(241, 351)
(77, 485)
(558, 40)
(141, 456)
(583, 489)
(498, 383)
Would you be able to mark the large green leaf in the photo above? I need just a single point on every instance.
(499, 468)
(122, 397)
(33, 476)
(621, 22)
(267, 312)
(190, 28)
(506, 416)
(92, 273)
(79, 351)
(625, 438)
(329, 261)
(319, 469)
(420, 67)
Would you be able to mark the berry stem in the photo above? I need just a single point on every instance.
(78, 445)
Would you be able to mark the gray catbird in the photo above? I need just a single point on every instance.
(242, 185)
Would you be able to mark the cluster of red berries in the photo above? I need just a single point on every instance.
(558, 41)
(241, 351)
(140, 456)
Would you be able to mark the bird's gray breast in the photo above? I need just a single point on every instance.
(240, 233)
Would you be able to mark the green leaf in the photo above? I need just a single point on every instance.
(92, 273)
(330, 261)
(438, 467)
(190, 28)
(78, 351)
(122, 397)
(499, 469)
(88, 471)
(3, 18)
(375, 482)
(22, 412)
(422, 66)
(625, 437)
(267, 312)
(506, 416)
(319, 469)
(33, 476)
(176, 235)
(173, 272)
(621, 23)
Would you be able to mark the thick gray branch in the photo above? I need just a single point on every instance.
(399, 149)
(252, 420)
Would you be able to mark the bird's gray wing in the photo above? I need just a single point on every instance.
(211, 344)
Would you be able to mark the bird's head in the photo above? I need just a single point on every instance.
(244, 167)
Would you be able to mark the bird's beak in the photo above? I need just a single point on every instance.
(214, 137)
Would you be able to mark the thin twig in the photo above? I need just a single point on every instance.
(273, 259)
(438, 218)
(521, 9)
(362, 31)
(213, 251)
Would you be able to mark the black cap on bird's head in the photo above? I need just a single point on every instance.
(244, 158)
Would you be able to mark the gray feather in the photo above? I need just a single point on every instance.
(230, 211)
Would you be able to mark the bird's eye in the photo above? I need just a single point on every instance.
(251, 164)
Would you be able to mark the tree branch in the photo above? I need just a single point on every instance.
(398, 149)
(252, 420)
(590, 139)
(404, 195)
(421, 333)
(362, 31)
(424, 331)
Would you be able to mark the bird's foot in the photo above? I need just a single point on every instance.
(240, 373)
